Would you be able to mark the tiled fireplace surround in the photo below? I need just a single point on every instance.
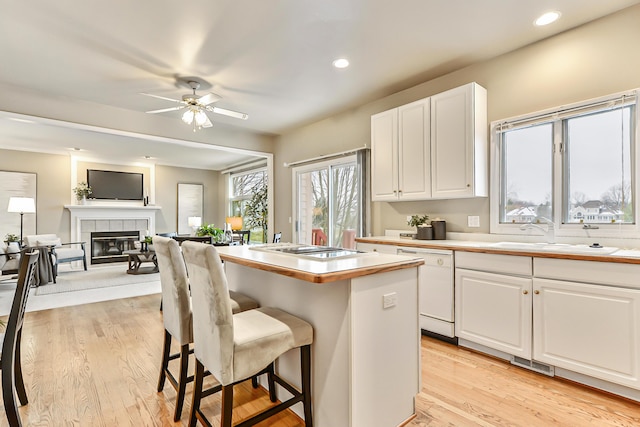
(86, 219)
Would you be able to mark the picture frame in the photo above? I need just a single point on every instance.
(17, 184)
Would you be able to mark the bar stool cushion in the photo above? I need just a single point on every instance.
(241, 302)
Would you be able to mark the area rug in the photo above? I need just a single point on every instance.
(100, 277)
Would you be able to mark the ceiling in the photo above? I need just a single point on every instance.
(270, 59)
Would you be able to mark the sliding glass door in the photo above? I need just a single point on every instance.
(328, 202)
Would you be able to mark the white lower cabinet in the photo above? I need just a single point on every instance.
(546, 311)
(590, 329)
(494, 310)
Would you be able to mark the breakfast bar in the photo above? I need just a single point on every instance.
(364, 310)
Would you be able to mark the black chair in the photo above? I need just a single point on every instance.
(277, 237)
(201, 239)
(12, 381)
(243, 236)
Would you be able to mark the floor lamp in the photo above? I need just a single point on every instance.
(21, 205)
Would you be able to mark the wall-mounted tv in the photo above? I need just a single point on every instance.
(115, 185)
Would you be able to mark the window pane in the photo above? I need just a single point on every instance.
(599, 167)
(345, 207)
(313, 200)
(527, 175)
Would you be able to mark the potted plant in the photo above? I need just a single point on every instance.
(210, 230)
(424, 230)
(82, 191)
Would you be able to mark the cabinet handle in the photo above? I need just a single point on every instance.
(440, 262)
(468, 185)
(537, 292)
(525, 292)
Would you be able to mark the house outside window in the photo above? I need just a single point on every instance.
(574, 166)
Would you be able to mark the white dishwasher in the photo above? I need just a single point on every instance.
(436, 295)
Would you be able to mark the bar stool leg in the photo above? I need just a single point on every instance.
(165, 360)
(182, 382)
(227, 406)
(197, 393)
(305, 362)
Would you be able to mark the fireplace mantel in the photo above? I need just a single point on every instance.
(104, 216)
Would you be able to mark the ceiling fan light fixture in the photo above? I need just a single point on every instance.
(188, 116)
(201, 118)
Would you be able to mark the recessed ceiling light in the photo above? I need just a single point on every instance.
(77, 149)
(148, 157)
(341, 63)
(547, 18)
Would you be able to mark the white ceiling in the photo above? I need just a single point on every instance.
(270, 59)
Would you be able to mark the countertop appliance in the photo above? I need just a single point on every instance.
(435, 291)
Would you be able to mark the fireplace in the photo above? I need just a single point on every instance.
(108, 246)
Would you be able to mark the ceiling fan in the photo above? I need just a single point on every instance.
(196, 106)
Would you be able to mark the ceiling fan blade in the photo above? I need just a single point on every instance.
(162, 97)
(207, 124)
(229, 113)
(208, 98)
(164, 110)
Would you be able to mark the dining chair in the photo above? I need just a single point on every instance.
(177, 316)
(235, 347)
(243, 236)
(12, 380)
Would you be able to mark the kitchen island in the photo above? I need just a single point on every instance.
(364, 311)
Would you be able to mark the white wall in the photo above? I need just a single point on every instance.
(593, 60)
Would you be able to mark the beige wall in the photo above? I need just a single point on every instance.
(167, 180)
(591, 61)
(53, 187)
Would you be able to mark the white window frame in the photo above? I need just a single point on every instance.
(615, 230)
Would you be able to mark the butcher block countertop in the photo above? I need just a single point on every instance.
(316, 271)
(559, 251)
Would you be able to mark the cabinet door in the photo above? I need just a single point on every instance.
(494, 310)
(459, 142)
(414, 152)
(384, 156)
(590, 329)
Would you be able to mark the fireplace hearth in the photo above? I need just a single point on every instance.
(108, 246)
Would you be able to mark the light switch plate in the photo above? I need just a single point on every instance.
(473, 221)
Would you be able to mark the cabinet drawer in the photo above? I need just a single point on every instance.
(601, 273)
(505, 264)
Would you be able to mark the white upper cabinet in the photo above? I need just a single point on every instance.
(400, 151)
(459, 166)
(434, 148)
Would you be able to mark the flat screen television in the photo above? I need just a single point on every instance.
(115, 185)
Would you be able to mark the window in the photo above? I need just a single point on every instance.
(574, 166)
(243, 187)
(328, 197)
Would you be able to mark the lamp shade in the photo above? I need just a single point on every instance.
(194, 221)
(235, 221)
(21, 205)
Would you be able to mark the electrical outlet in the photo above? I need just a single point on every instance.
(389, 300)
(473, 221)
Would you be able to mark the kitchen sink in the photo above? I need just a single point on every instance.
(556, 248)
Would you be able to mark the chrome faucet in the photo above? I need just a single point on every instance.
(549, 232)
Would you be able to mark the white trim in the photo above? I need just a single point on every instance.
(324, 157)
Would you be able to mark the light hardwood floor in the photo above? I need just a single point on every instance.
(97, 365)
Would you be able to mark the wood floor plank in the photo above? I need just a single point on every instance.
(98, 365)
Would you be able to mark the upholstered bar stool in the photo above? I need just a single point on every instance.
(177, 316)
(235, 347)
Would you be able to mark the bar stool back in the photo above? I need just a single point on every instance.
(177, 317)
(234, 347)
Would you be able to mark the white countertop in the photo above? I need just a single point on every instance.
(629, 256)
